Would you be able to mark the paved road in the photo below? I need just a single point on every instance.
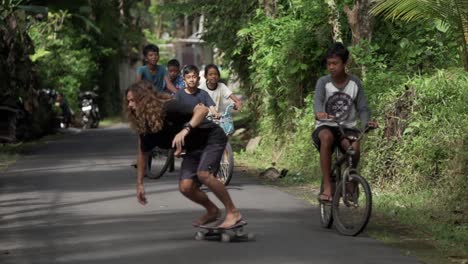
(73, 201)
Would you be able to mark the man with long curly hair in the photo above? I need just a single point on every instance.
(164, 122)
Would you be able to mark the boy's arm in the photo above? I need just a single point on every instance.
(361, 106)
(139, 74)
(319, 100)
(170, 86)
(237, 102)
(199, 113)
(142, 160)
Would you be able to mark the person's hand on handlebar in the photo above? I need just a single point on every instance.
(238, 106)
(323, 115)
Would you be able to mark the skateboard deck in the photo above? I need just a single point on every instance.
(234, 234)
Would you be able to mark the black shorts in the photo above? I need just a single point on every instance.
(206, 159)
(336, 133)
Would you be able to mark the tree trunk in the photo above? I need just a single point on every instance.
(186, 26)
(159, 26)
(360, 21)
(269, 6)
(122, 9)
(334, 20)
(201, 24)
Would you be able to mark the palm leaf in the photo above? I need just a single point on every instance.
(453, 14)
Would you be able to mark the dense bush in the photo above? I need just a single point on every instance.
(286, 59)
(429, 151)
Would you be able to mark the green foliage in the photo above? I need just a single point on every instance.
(291, 149)
(432, 151)
(366, 56)
(9, 7)
(414, 46)
(63, 63)
(286, 57)
(424, 212)
(419, 177)
(451, 15)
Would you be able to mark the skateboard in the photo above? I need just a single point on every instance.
(233, 234)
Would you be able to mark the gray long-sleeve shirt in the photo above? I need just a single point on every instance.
(344, 103)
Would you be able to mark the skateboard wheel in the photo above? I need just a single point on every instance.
(251, 236)
(225, 237)
(199, 236)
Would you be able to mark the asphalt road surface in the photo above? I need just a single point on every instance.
(73, 201)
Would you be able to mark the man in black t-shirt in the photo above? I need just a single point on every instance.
(164, 122)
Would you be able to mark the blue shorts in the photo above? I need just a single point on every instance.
(206, 159)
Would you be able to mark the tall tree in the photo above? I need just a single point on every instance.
(360, 20)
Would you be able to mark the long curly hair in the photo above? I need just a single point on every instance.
(148, 117)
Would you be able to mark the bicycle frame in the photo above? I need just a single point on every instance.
(345, 158)
(344, 175)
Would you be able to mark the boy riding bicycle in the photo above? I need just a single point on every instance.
(340, 96)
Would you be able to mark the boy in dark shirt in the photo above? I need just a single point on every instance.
(192, 95)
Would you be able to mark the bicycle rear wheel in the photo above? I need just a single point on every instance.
(226, 166)
(352, 211)
(161, 159)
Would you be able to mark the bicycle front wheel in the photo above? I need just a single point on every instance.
(226, 166)
(352, 205)
(161, 160)
(326, 216)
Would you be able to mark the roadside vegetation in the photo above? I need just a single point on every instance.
(410, 54)
(413, 63)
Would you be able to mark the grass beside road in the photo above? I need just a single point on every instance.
(409, 223)
(112, 120)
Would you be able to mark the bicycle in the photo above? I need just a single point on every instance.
(163, 159)
(351, 206)
(226, 167)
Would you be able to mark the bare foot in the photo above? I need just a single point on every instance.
(231, 219)
(207, 218)
(323, 197)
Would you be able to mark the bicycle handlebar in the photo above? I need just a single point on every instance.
(341, 128)
(340, 124)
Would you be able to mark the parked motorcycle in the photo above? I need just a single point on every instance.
(89, 109)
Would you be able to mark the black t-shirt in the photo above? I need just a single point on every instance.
(200, 96)
(177, 114)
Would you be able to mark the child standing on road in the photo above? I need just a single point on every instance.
(154, 73)
(173, 68)
(218, 91)
(192, 95)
